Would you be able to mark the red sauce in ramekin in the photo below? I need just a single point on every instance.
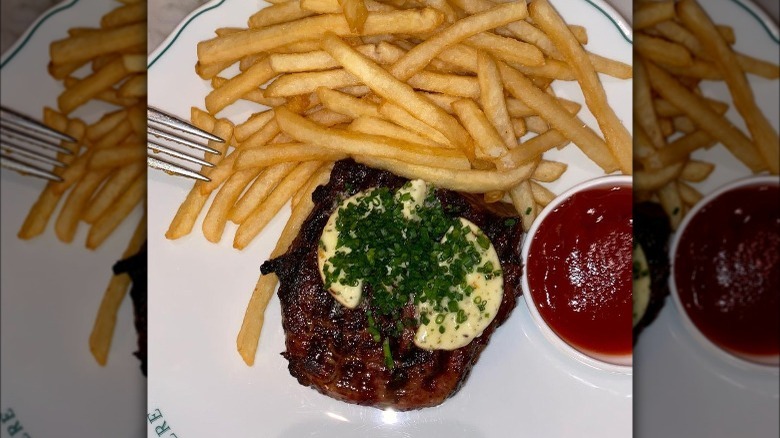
(727, 270)
(579, 270)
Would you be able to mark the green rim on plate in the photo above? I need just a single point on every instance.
(55, 10)
(625, 33)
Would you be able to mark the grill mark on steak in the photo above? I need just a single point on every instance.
(328, 346)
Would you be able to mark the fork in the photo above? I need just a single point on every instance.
(26, 145)
(156, 131)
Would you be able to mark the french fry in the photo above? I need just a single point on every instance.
(100, 42)
(262, 186)
(259, 218)
(422, 54)
(560, 119)
(480, 128)
(696, 171)
(75, 204)
(764, 135)
(401, 117)
(524, 203)
(345, 104)
(385, 85)
(217, 216)
(617, 137)
(278, 13)
(105, 224)
(90, 86)
(355, 143)
(548, 171)
(651, 13)
(116, 184)
(129, 14)
(541, 195)
(236, 45)
(705, 118)
(468, 181)
(375, 126)
(269, 155)
(105, 322)
(492, 98)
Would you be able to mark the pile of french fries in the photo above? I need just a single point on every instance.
(105, 176)
(433, 89)
(678, 47)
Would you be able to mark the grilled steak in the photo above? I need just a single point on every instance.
(135, 266)
(652, 230)
(328, 345)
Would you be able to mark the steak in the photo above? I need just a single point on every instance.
(329, 347)
(652, 231)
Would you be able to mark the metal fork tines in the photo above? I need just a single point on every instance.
(166, 134)
(28, 146)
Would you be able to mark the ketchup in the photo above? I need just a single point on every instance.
(580, 270)
(727, 270)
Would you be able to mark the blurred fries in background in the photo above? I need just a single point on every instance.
(105, 179)
(678, 46)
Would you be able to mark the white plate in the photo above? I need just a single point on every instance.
(51, 291)
(683, 388)
(198, 293)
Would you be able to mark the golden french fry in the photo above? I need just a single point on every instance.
(507, 49)
(116, 184)
(644, 111)
(236, 45)
(259, 218)
(269, 155)
(103, 328)
(356, 13)
(696, 171)
(559, 118)
(416, 59)
(764, 135)
(548, 171)
(671, 203)
(129, 14)
(134, 86)
(533, 148)
(345, 104)
(397, 92)
(261, 187)
(239, 85)
(355, 143)
(617, 137)
(217, 216)
(107, 122)
(704, 117)
(688, 194)
(76, 203)
(492, 98)
(541, 195)
(375, 126)
(652, 180)
(662, 51)
(107, 223)
(100, 42)
(117, 156)
(90, 86)
(523, 200)
(480, 128)
(468, 181)
(401, 117)
(650, 13)
(278, 13)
